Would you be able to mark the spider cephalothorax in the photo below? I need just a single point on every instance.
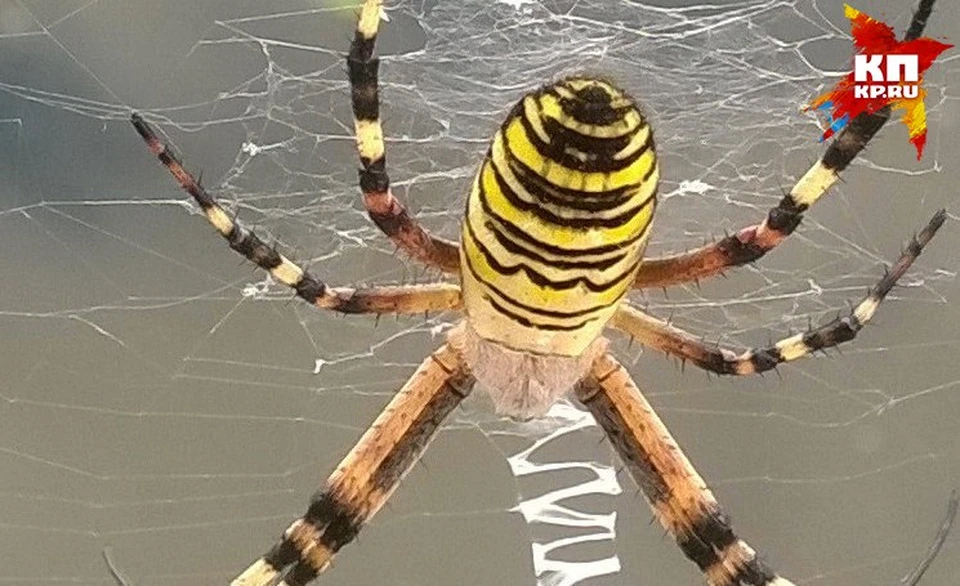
(551, 243)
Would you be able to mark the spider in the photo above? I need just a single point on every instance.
(552, 241)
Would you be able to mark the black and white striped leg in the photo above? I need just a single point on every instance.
(384, 209)
(660, 335)
(752, 242)
(367, 477)
(409, 299)
(680, 499)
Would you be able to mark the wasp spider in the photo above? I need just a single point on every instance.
(552, 241)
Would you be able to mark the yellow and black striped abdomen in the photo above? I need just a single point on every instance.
(558, 218)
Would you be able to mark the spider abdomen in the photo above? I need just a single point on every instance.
(558, 218)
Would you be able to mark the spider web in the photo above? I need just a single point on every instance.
(163, 400)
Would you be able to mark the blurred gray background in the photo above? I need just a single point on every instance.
(160, 399)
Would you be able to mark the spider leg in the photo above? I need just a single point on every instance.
(384, 209)
(658, 334)
(369, 474)
(679, 497)
(389, 299)
(752, 242)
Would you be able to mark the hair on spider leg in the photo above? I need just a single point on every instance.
(776, 371)
(669, 320)
(618, 470)
(785, 191)
(422, 273)
(603, 438)
(676, 361)
(665, 532)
